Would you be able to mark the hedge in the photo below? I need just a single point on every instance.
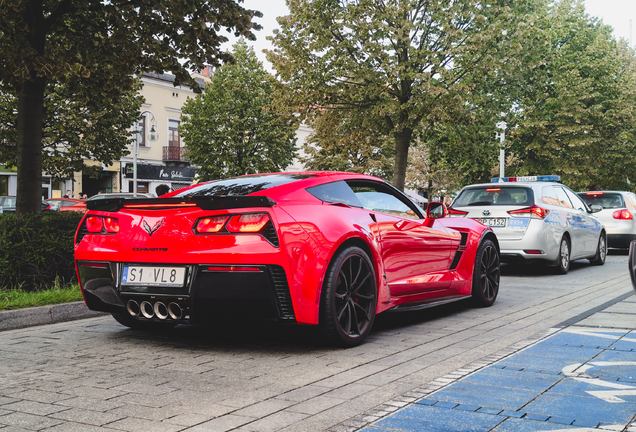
(36, 250)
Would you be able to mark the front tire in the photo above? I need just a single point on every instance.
(486, 274)
(601, 251)
(349, 298)
(563, 264)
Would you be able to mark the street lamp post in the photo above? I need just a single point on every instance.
(501, 136)
(152, 136)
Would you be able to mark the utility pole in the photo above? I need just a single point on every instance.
(501, 136)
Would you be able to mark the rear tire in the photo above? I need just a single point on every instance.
(486, 274)
(601, 251)
(349, 298)
(563, 264)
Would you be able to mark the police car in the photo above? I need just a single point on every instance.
(535, 218)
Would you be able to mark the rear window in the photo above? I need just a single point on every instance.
(494, 196)
(605, 200)
(242, 185)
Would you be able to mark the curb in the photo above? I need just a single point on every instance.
(42, 315)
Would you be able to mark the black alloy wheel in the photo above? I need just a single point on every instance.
(601, 251)
(486, 274)
(349, 298)
(563, 264)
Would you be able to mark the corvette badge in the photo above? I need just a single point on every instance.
(152, 230)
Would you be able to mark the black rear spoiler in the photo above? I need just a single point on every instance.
(204, 203)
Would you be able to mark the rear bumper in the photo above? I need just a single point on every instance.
(620, 241)
(210, 291)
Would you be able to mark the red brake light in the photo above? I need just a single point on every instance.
(211, 224)
(248, 223)
(493, 190)
(456, 213)
(111, 224)
(594, 193)
(622, 214)
(94, 224)
(533, 211)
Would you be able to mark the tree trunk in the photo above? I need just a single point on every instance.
(29, 147)
(402, 144)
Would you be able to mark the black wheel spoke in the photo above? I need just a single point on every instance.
(357, 287)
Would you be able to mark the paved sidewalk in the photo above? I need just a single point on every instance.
(580, 376)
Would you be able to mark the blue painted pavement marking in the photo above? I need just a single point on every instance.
(576, 380)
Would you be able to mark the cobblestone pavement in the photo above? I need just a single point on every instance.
(94, 374)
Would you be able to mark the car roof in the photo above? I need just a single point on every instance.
(513, 184)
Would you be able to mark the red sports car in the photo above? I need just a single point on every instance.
(321, 248)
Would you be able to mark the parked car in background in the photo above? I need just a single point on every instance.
(8, 205)
(68, 204)
(318, 248)
(618, 215)
(8, 202)
(535, 219)
(126, 195)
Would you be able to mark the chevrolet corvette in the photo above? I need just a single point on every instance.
(330, 249)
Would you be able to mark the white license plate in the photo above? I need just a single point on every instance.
(153, 276)
(493, 222)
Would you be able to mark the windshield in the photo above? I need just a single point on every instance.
(493, 195)
(242, 185)
(605, 200)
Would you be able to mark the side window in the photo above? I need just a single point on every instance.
(336, 192)
(549, 196)
(562, 197)
(380, 198)
(631, 202)
(576, 201)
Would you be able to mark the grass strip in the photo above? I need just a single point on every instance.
(18, 299)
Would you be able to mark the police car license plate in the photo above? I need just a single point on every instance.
(153, 276)
(493, 222)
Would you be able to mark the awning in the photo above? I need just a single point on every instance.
(414, 196)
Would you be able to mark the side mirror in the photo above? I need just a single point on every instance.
(436, 210)
(596, 208)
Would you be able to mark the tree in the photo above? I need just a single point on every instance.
(75, 127)
(231, 129)
(576, 117)
(99, 46)
(393, 64)
(339, 142)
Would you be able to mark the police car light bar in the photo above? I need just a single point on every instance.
(546, 178)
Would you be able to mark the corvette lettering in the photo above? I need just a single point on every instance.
(136, 249)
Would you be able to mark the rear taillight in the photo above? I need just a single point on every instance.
(103, 225)
(94, 224)
(533, 211)
(248, 223)
(456, 213)
(622, 214)
(210, 224)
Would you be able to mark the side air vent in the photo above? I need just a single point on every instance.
(281, 289)
(81, 232)
(269, 232)
(458, 256)
(464, 240)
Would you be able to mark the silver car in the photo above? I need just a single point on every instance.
(535, 218)
(618, 215)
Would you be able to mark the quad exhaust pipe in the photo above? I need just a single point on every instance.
(158, 309)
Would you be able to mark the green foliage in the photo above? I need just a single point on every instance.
(396, 65)
(576, 116)
(19, 298)
(339, 143)
(231, 129)
(76, 126)
(94, 48)
(36, 251)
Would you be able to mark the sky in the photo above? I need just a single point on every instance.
(616, 13)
